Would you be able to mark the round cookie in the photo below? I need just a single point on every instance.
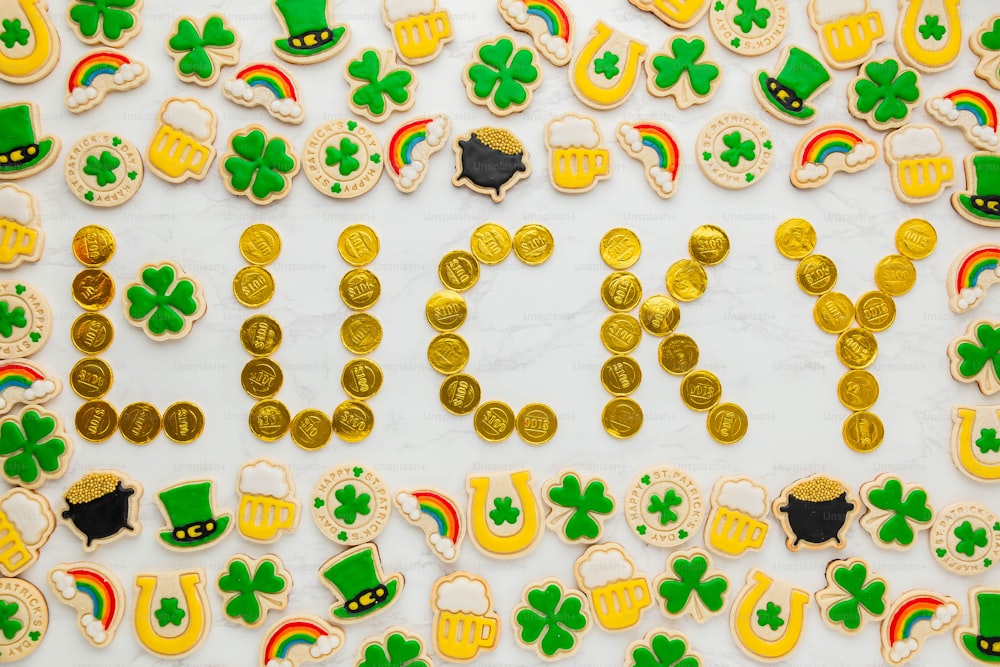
(734, 150)
(664, 507)
(343, 159)
(103, 170)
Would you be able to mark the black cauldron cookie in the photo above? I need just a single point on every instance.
(815, 512)
(490, 161)
(102, 506)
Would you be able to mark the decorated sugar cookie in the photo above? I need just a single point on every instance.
(181, 148)
(253, 587)
(99, 73)
(505, 517)
(25, 617)
(29, 42)
(883, 94)
(551, 619)
(664, 506)
(343, 159)
(297, 640)
(979, 640)
(171, 613)
(34, 448)
(269, 86)
(25, 320)
(786, 95)
(311, 36)
(971, 275)
(411, 147)
(912, 618)
(965, 538)
(679, 15)
(202, 47)
(734, 150)
(465, 623)
(440, 517)
(577, 506)
(164, 302)
(929, 33)
(682, 70)
(605, 70)
(360, 586)
(979, 203)
(192, 520)
(103, 170)
(25, 383)
(896, 511)
(975, 356)
(830, 149)
(920, 168)
(815, 512)
(398, 646)
(975, 447)
(502, 76)
(267, 508)
(653, 145)
(378, 85)
(970, 111)
(853, 596)
(97, 596)
(660, 647)
(749, 27)
(351, 505)
(21, 236)
(490, 161)
(737, 519)
(690, 586)
(618, 591)
(577, 157)
(102, 507)
(27, 521)
(258, 165)
(110, 25)
(420, 28)
(21, 152)
(767, 617)
(985, 43)
(549, 22)
(848, 32)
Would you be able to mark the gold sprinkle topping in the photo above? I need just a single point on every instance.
(817, 489)
(499, 140)
(91, 487)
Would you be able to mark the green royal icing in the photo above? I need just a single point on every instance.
(502, 72)
(594, 499)
(373, 95)
(991, 38)
(260, 164)
(683, 61)
(344, 157)
(31, 445)
(552, 619)
(9, 625)
(932, 28)
(504, 511)
(689, 579)
(988, 441)
(976, 357)
(169, 612)
(246, 587)
(861, 595)
(912, 508)
(11, 319)
(14, 34)
(397, 651)
(198, 61)
(167, 299)
(663, 505)
(662, 650)
(770, 617)
(751, 14)
(737, 149)
(352, 504)
(607, 65)
(102, 168)
(885, 92)
(969, 538)
(111, 17)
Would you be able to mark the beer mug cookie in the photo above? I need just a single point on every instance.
(440, 517)
(985, 43)
(101, 507)
(577, 157)
(202, 47)
(103, 170)
(30, 47)
(655, 146)
(99, 73)
(181, 148)
(605, 70)
(618, 591)
(21, 152)
(267, 507)
(970, 111)
(297, 640)
(253, 587)
(26, 522)
(21, 236)
(420, 28)
(920, 168)
(749, 27)
(737, 519)
(465, 623)
(664, 507)
(411, 147)
(97, 596)
(848, 30)
(549, 22)
(929, 33)
(734, 150)
(269, 86)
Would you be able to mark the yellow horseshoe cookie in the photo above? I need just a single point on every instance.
(767, 617)
(604, 73)
(34, 51)
(505, 520)
(172, 614)
(929, 33)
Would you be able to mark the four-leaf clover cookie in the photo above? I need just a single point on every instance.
(502, 76)
(165, 302)
(550, 619)
(108, 22)
(883, 94)
(258, 166)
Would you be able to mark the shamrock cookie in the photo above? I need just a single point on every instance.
(978, 641)
(312, 37)
(896, 511)
(734, 150)
(749, 27)
(965, 538)
(268, 507)
(853, 596)
(29, 42)
(551, 619)
(20, 228)
(680, 70)
(501, 76)
(24, 618)
(99, 73)
(102, 507)
(815, 512)
(830, 149)
(664, 506)
(985, 43)
(653, 145)
(202, 47)
(343, 159)
(351, 505)
(28, 521)
(976, 356)
(25, 383)
(103, 170)
(848, 32)
(577, 506)
(605, 70)
(505, 518)
(34, 448)
(108, 24)
(577, 157)
(920, 168)
(440, 517)
(971, 112)
(253, 587)
(420, 29)
(767, 617)
(269, 86)
(192, 520)
(490, 161)
(97, 596)
(660, 647)
(398, 646)
(618, 591)
(357, 581)
(465, 623)
(164, 301)
(258, 166)
(549, 22)
(929, 33)
(182, 147)
(912, 618)
(979, 203)
(411, 147)
(786, 94)
(883, 94)
(296, 640)
(690, 587)
(21, 153)
(975, 448)
(378, 86)
(172, 615)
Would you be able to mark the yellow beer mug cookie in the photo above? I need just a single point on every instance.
(619, 593)
(465, 623)
(181, 148)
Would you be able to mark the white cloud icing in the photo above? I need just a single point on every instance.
(324, 646)
(914, 142)
(189, 117)
(286, 108)
(239, 89)
(516, 10)
(15, 205)
(812, 172)
(662, 179)
(264, 479)
(828, 11)
(409, 505)
(278, 662)
(437, 130)
(463, 595)
(986, 135)
(902, 649)
(943, 615)
(81, 96)
(127, 73)
(860, 154)
(571, 131)
(944, 109)
(64, 583)
(39, 389)
(970, 296)
(744, 496)
(398, 10)
(443, 545)
(94, 628)
(27, 513)
(603, 567)
(554, 45)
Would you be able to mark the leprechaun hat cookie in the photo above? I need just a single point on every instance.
(21, 152)
(980, 201)
(785, 94)
(356, 578)
(193, 522)
(310, 35)
(981, 641)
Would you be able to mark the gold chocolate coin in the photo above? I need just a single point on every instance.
(353, 421)
(857, 348)
(686, 280)
(620, 248)
(460, 393)
(833, 312)
(876, 311)
(139, 423)
(446, 310)
(360, 289)
(895, 275)
(708, 245)
(183, 422)
(253, 286)
(533, 244)
(494, 421)
(795, 238)
(311, 429)
(536, 423)
(269, 420)
(448, 353)
(916, 239)
(621, 333)
(659, 315)
(358, 245)
(260, 335)
(91, 378)
(857, 390)
(96, 421)
(361, 379)
(621, 417)
(621, 291)
(261, 378)
(700, 390)
(93, 246)
(816, 274)
(863, 431)
(678, 354)
(260, 244)
(91, 333)
(361, 333)
(490, 243)
(727, 423)
(458, 270)
(93, 289)
(621, 375)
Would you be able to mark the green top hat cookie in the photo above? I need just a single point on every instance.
(356, 577)
(193, 522)
(982, 204)
(985, 646)
(20, 151)
(801, 77)
(309, 32)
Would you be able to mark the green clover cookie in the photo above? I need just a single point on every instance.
(165, 302)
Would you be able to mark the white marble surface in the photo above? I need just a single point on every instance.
(533, 332)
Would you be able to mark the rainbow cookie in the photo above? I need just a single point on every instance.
(296, 640)
(973, 357)
(99, 73)
(102, 507)
(465, 623)
(815, 512)
(848, 31)
(202, 47)
(830, 149)
(896, 511)
(679, 14)
(411, 147)
(619, 593)
(22, 382)
(171, 615)
(97, 596)
(965, 538)
(655, 147)
(549, 23)
(985, 43)
(578, 160)
(109, 25)
(972, 273)
(490, 161)
(919, 166)
(181, 148)
(853, 595)
(26, 522)
(269, 86)
(605, 70)
(980, 202)
(785, 95)
(21, 236)
(30, 48)
(504, 514)
(974, 448)
(749, 27)
(420, 28)
(680, 71)
(768, 616)
(438, 515)
(258, 165)
(690, 586)
(253, 587)
(343, 159)
(912, 618)
(311, 35)
(34, 447)
(378, 85)
(929, 33)
(103, 170)
(970, 111)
